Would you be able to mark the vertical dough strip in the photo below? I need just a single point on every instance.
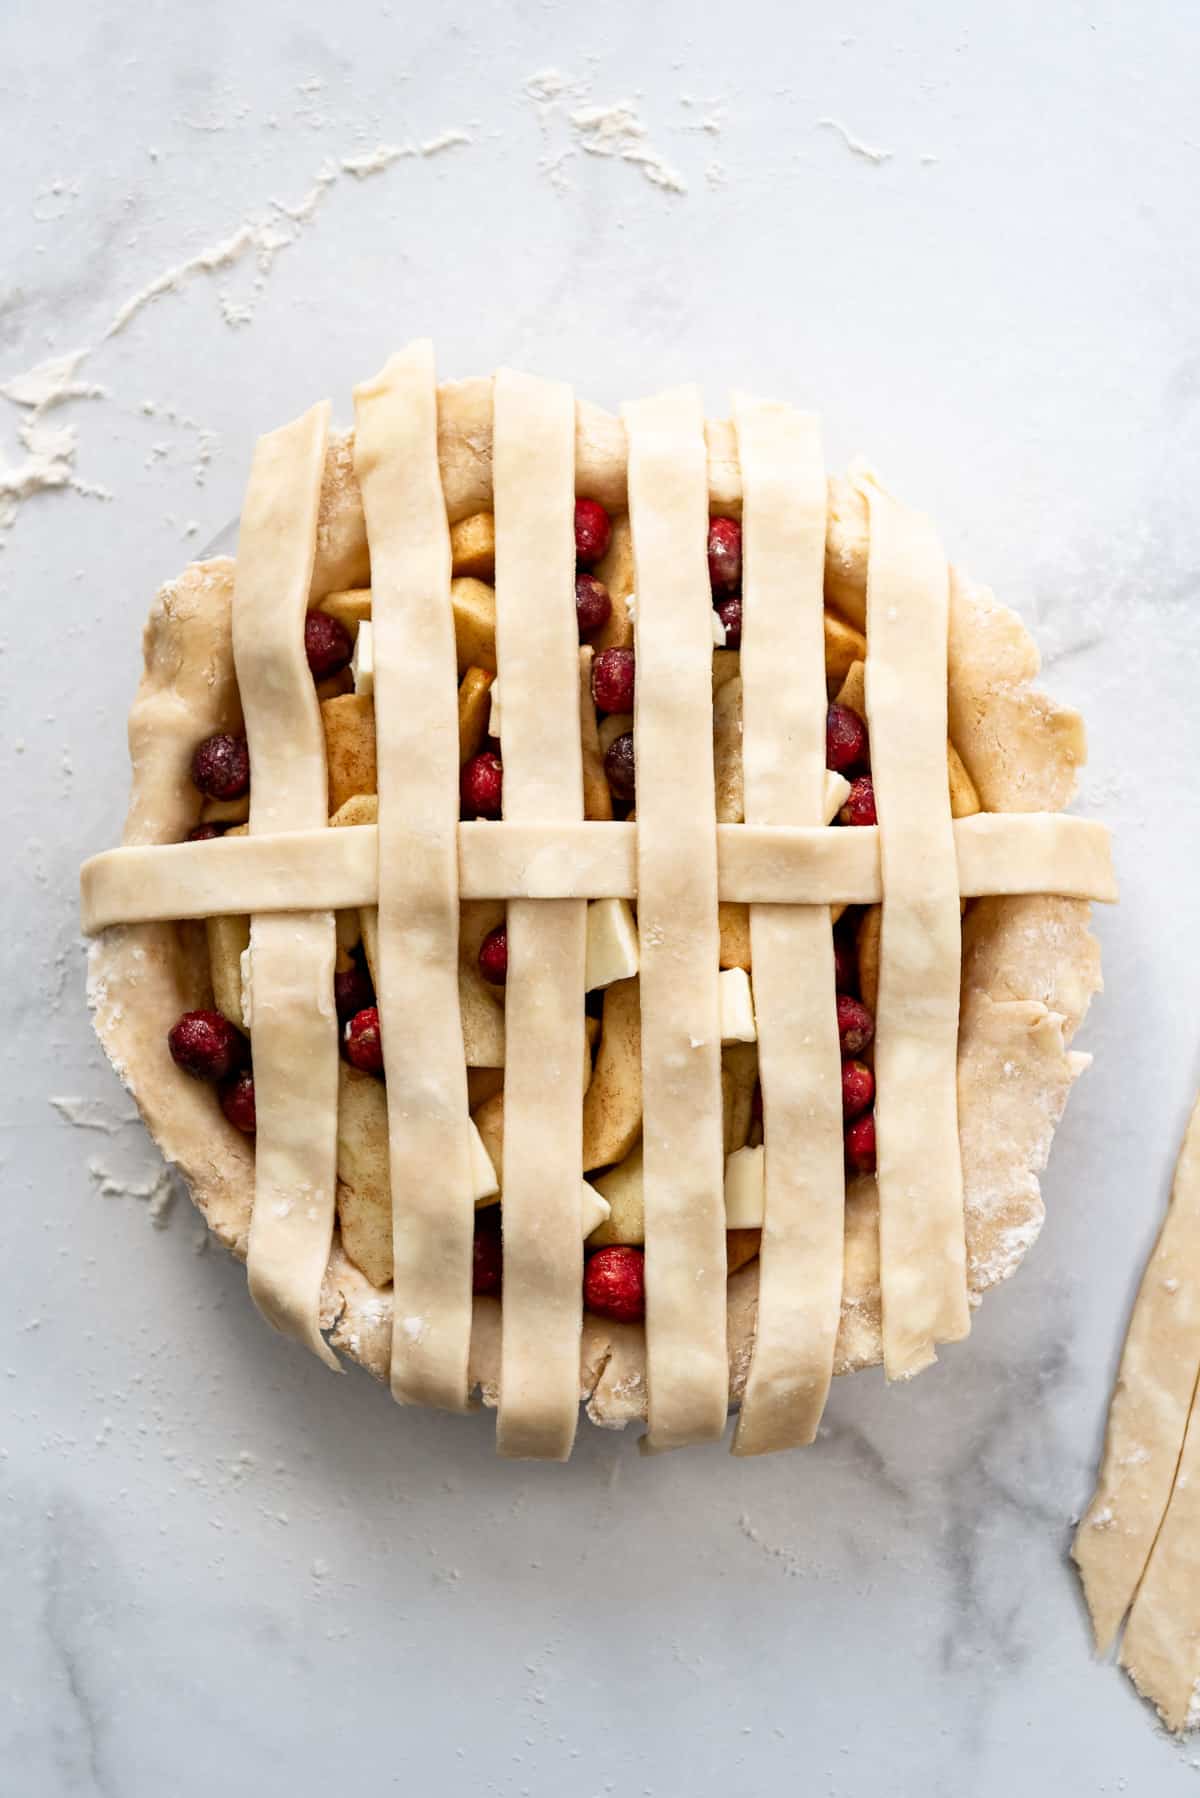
(784, 699)
(295, 1039)
(416, 730)
(537, 653)
(683, 1168)
(919, 1170)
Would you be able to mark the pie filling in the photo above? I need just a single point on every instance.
(735, 752)
(217, 1045)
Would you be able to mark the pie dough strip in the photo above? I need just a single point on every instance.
(922, 1245)
(537, 653)
(295, 1032)
(1146, 1423)
(799, 1058)
(687, 1370)
(999, 853)
(416, 733)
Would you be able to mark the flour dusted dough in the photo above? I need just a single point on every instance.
(416, 951)
(1141, 1533)
(682, 1159)
(537, 649)
(922, 1242)
(291, 953)
(799, 1060)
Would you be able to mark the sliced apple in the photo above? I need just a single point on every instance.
(615, 569)
(350, 608)
(364, 1192)
(473, 546)
(474, 605)
(474, 700)
(727, 665)
(739, 1075)
(741, 1247)
(727, 753)
(349, 747)
(597, 800)
(744, 1189)
(843, 647)
(621, 1186)
(612, 943)
(733, 921)
(612, 1108)
(737, 1006)
(228, 940)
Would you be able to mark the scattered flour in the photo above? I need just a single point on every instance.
(616, 130)
(158, 1193)
(855, 145)
(93, 1114)
(49, 459)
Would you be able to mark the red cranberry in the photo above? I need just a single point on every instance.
(204, 833)
(206, 1045)
(221, 766)
(729, 611)
(845, 965)
(493, 956)
(488, 1264)
(860, 805)
(612, 680)
(593, 605)
(352, 991)
(856, 1026)
(860, 1144)
(364, 1044)
(724, 554)
(614, 1284)
(845, 738)
(326, 644)
(237, 1101)
(858, 1088)
(481, 785)
(619, 767)
(592, 531)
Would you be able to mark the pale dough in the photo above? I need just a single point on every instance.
(291, 953)
(919, 1171)
(415, 960)
(537, 653)
(683, 1162)
(996, 853)
(783, 750)
(1123, 1546)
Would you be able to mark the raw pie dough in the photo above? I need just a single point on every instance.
(1029, 966)
(1138, 1547)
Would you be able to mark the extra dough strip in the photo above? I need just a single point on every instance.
(295, 1042)
(537, 652)
(799, 1061)
(921, 1231)
(1146, 1424)
(998, 853)
(416, 731)
(683, 1167)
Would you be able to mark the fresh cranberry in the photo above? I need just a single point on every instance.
(619, 767)
(845, 965)
(493, 956)
(856, 1026)
(845, 738)
(221, 766)
(592, 531)
(482, 785)
(593, 603)
(352, 991)
(860, 1144)
(860, 804)
(724, 554)
(204, 833)
(612, 680)
(326, 644)
(488, 1264)
(729, 611)
(206, 1045)
(364, 1044)
(858, 1088)
(237, 1101)
(614, 1284)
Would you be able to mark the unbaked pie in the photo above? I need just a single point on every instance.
(596, 916)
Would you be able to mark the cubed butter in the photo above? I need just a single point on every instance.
(744, 1188)
(362, 663)
(737, 1006)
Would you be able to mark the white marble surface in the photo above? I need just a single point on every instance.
(225, 1570)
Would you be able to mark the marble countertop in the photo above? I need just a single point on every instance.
(968, 245)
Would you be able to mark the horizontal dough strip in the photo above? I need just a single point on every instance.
(999, 853)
